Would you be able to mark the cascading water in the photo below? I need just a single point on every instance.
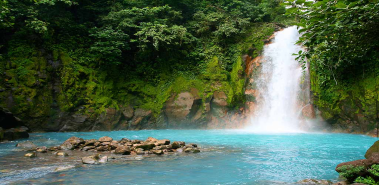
(278, 86)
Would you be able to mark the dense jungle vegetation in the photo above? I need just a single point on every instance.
(342, 47)
(107, 53)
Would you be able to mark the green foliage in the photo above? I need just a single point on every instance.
(103, 54)
(350, 172)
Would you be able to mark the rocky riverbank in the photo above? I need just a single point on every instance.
(106, 145)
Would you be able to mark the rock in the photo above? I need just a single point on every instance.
(86, 148)
(128, 112)
(105, 143)
(362, 162)
(374, 148)
(31, 155)
(139, 151)
(71, 143)
(64, 168)
(136, 141)
(63, 154)
(1, 134)
(180, 150)
(194, 145)
(103, 159)
(124, 140)
(105, 139)
(178, 144)
(178, 107)
(28, 145)
(157, 152)
(54, 148)
(151, 140)
(42, 149)
(15, 133)
(163, 142)
(192, 150)
(341, 183)
(314, 181)
(103, 148)
(146, 146)
(309, 112)
(123, 150)
(94, 159)
(90, 142)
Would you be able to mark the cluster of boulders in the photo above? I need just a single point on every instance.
(107, 144)
(127, 147)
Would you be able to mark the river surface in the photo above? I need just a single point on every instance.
(229, 157)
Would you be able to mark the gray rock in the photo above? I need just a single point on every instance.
(64, 168)
(28, 145)
(163, 142)
(95, 159)
(71, 143)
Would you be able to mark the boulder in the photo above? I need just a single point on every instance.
(178, 144)
(16, 133)
(136, 141)
(128, 112)
(123, 150)
(105, 139)
(31, 155)
(191, 150)
(103, 159)
(90, 142)
(163, 142)
(86, 148)
(151, 140)
(373, 149)
(62, 154)
(314, 181)
(95, 159)
(146, 146)
(42, 149)
(103, 148)
(139, 151)
(157, 152)
(362, 162)
(124, 140)
(54, 148)
(28, 145)
(71, 143)
(178, 107)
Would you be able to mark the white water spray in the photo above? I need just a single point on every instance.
(278, 86)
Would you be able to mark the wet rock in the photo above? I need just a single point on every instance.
(363, 162)
(103, 148)
(136, 141)
(42, 149)
(191, 150)
(71, 143)
(64, 168)
(128, 112)
(28, 145)
(62, 154)
(194, 145)
(54, 148)
(103, 159)
(157, 152)
(95, 159)
(90, 142)
(151, 140)
(163, 142)
(105, 139)
(146, 146)
(314, 182)
(31, 155)
(124, 140)
(373, 149)
(341, 183)
(123, 150)
(86, 148)
(178, 144)
(139, 151)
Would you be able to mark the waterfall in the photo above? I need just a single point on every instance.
(278, 85)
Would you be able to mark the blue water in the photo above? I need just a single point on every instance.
(231, 157)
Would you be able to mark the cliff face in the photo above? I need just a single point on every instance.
(349, 108)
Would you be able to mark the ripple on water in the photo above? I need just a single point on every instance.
(229, 157)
